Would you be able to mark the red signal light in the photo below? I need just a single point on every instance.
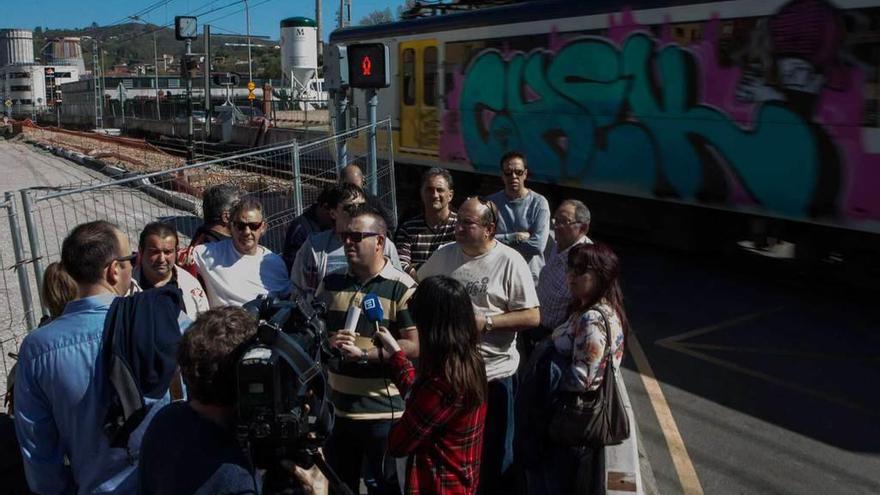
(366, 66)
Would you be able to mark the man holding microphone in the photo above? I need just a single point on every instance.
(366, 400)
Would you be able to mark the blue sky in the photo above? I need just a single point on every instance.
(265, 14)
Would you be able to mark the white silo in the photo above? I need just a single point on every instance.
(299, 56)
(16, 47)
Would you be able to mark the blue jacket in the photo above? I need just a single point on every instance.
(61, 399)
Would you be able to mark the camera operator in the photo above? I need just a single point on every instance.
(191, 447)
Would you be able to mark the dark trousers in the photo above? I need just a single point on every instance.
(495, 475)
(354, 443)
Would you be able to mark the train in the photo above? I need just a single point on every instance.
(760, 110)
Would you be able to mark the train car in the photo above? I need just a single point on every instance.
(764, 109)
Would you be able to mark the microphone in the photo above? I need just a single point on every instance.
(373, 309)
(375, 314)
(352, 317)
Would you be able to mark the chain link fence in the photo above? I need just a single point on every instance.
(16, 312)
(285, 178)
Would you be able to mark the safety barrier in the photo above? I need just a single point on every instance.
(286, 178)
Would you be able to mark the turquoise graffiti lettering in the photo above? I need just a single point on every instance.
(630, 117)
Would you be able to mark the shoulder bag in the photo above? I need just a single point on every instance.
(593, 419)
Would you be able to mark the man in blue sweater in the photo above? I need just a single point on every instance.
(523, 214)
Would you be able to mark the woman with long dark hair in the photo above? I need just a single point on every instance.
(441, 430)
(574, 360)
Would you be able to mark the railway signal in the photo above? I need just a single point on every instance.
(368, 66)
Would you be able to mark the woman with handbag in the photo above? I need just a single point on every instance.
(585, 412)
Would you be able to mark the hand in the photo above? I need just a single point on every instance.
(350, 352)
(342, 337)
(312, 480)
(521, 236)
(387, 341)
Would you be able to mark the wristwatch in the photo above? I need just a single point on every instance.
(363, 358)
(489, 325)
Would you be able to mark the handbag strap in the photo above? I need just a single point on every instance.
(607, 354)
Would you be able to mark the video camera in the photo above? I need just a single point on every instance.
(283, 407)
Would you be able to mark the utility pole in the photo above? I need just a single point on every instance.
(247, 17)
(190, 152)
(207, 69)
(318, 21)
(96, 83)
(156, 76)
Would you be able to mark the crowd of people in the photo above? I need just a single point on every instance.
(425, 400)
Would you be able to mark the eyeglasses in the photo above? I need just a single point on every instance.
(130, 258)
(254, 226)
(519, 172)
(562, 222)
(493, 210)
(357, 237)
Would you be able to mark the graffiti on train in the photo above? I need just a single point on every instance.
(635, 113)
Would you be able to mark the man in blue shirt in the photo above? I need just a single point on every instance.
(61, 395)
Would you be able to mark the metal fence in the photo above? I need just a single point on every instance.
(285, 178)
(16, 313)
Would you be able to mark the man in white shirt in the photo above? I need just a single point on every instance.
(157, 250)
(502, 291)
(237, 270)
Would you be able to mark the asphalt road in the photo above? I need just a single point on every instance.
(769, 374)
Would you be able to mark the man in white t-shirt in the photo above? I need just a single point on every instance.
(505, 302)
(237, 270)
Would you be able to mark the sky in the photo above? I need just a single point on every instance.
(265, 14)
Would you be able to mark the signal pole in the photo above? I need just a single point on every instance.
(190, 153)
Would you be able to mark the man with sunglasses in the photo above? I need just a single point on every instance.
(503, 294)
(523, 214)
(59, 397)
(324, 253)
(239, 269)
(366, 400)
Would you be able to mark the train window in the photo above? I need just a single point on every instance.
(429, 85)
(409, 77)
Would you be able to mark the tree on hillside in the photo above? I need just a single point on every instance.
(407, 5)
(377, 17)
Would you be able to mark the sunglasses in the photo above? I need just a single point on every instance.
(517, 172)
(351, 207)
(357, 237)
(254, 226)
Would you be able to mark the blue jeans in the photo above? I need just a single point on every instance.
(495, 477)
(353, 442)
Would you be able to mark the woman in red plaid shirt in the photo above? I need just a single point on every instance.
(441, 430)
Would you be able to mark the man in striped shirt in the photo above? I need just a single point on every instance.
(367, 401)
(418, 238)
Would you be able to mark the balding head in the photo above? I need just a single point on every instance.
(352, 174)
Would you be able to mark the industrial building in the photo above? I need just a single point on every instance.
(27, 87)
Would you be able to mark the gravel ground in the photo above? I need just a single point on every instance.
(24, 166)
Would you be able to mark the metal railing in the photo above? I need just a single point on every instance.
(141, 185)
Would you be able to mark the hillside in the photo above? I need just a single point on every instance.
(132, 44)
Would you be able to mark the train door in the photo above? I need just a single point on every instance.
(419, 123)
